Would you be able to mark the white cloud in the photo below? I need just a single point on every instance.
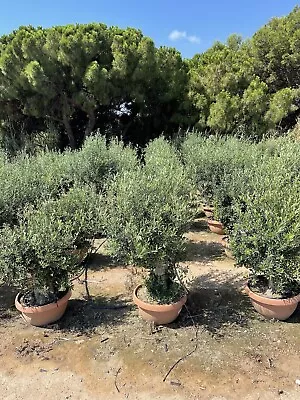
(177, 35)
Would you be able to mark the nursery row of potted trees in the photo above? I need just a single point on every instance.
(145, 210)
(256, 202)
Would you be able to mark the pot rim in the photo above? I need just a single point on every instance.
(225, 241)
(157, 307)
(208, 208)
(40, 309)
(272, 302)
(215, 223)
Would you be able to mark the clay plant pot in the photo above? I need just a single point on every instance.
(225, 243)
(280, 309)
(160, 314)
(208, 211)
(216, 227)
(43, 315)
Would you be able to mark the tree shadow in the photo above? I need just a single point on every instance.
(295, 317)
(7, 301)
(99, 257)
(99, 261)
(203, 251)
(199, 225)
(84, 316)
(214, 303)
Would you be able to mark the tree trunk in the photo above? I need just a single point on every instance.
(67, 125)
(125, 130)
(91, 123)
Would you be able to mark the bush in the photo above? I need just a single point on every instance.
(148, 213)
(83, 206)
(266, 234)
(223, 169)
(31, 180)
(208, 160)
(98, 162)
(229, 196)
(40, 254)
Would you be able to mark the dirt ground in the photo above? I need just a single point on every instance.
(101, 349)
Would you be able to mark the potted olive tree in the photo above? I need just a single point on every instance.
(229, 197)
(148, 213)
(266, 239)
(43, 252)
(204, 169)
(209, 161)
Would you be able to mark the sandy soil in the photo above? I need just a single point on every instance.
(101, 349)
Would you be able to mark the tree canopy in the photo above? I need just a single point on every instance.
(80, 77)
(252, 84)
(74, 79)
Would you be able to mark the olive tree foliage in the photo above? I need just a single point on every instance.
(80, 77)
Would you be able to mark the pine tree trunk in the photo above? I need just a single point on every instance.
(90, 125)
(67, 125)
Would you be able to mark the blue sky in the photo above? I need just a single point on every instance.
(191, 25)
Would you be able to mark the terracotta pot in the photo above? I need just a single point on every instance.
(208, 211)
(160, 314)
(225, 243)
(43, 315)
(216, 227)
(280, 309)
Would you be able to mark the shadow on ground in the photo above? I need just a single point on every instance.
(99, 261)
(295, 318)
(84, 316)
(99, 257)
(199, 225)
(203, 251)
(215, 303)
(7, 301)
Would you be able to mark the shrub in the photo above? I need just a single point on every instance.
(266, 234)
(208, 160)
(229, 196)
(30, 180)
(81, 204)
(40, 254)
(223, 169)
(148, 212)
(97, 162)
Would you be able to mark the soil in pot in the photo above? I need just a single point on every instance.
(271, 307)
(40, 315)
(216, 227)
(39, 298)
(150, 311)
